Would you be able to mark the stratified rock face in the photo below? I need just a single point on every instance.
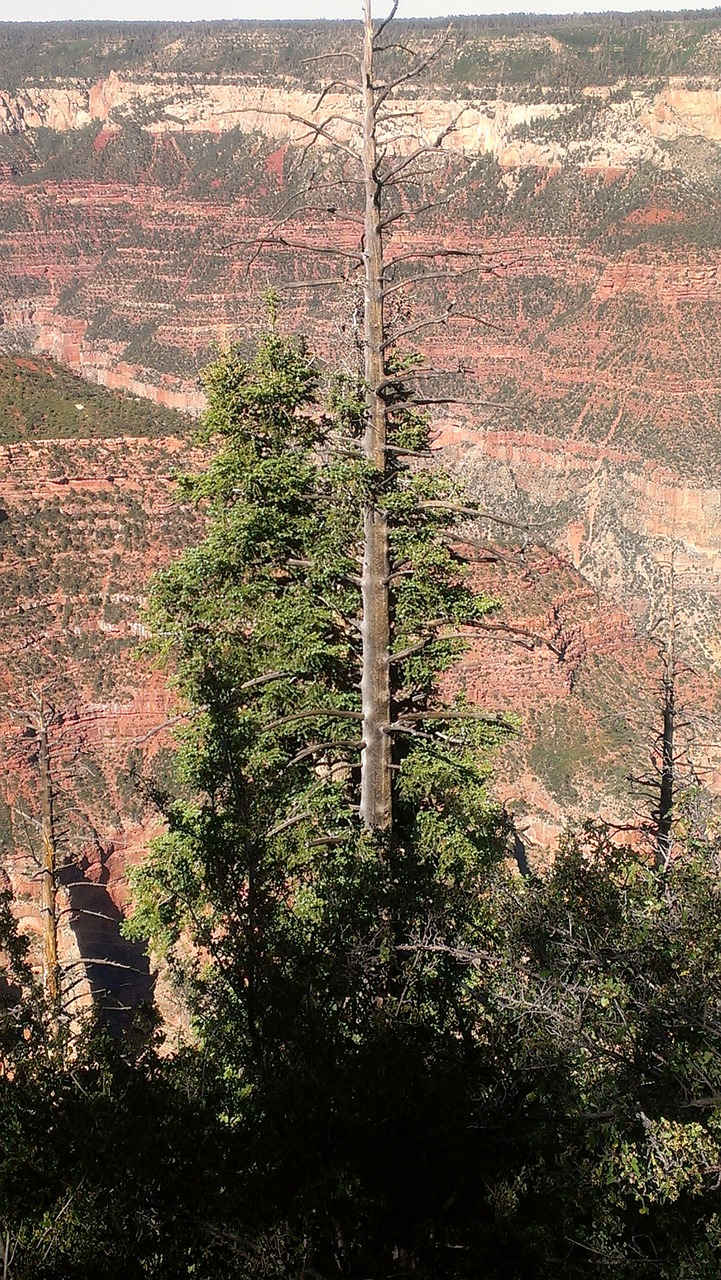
(86, 514)
(141, 167)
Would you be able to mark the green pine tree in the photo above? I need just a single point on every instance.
(293, 929)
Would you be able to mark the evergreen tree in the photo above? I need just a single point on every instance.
(302, 970)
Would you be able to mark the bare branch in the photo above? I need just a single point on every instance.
(96, 960)
(406, 453)
(523, 632)
(289, 822)
(206, 706)
(406, 374)
(312, 284)
(343, 215)
(474, 319)
(395, 44)
(469, 404)
(475, 513)
(414, 213)
(345, 743)
(290, 214)
(427, 149)
(385, 23)
(463, 539)
(316, 129)
(321, 57)
(442, 318)
(83, 884)
(449, 314)
(84, 911)
(292, 244)
(334, 84)
(465, 954)
(484, 268)
(313, 713)
(423, 644)
(315, 187)
(264, 679)
(412, 716)
(415, 71)
(407, 732)
(414, 255)
(389, 117)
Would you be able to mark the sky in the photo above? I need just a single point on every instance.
(193, 10)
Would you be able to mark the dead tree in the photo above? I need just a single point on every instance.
(35, 750)
(48, 829)
(376, 805)
(384, 152)
(675, 774)
(666, 795)
(683, 804)
(49, 872)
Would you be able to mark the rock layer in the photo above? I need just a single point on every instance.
(131, 203)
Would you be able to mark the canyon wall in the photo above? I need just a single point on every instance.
(85, 518)
(137, 181)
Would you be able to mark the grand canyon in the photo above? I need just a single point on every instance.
(139, 170)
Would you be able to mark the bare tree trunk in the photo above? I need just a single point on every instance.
(376, 797)
(668, 759)
(376, 176)
(49, 869)
(667, 773)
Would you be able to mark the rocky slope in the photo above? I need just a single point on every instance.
(87, 511)
(586, 161)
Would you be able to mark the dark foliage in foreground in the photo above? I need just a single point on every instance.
(547, 1104)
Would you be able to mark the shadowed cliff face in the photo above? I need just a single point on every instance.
(586, 161)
